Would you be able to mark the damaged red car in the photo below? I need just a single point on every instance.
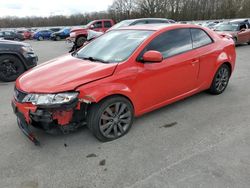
(124, 73)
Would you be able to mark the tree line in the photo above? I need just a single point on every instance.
(179, 10)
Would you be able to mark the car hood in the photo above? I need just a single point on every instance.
(9, 42)
(79, 29)
(63, 74)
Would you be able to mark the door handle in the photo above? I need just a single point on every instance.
(194, 62)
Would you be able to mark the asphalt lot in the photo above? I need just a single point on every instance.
(202, 141)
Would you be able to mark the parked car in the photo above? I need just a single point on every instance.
(62, 34)
(210, 25)
(238, 29)
(131, 22)
(79, 35)
(27, 34)
(141, 21)
(42, 34)
(15, 59)
(124, 73)
(11, 35)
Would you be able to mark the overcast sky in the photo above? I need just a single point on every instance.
(22, 8)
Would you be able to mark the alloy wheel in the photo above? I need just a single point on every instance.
(115, 120)
(221, 79)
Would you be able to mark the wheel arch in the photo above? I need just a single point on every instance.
(17, 56)
(116, 95)
(81, 35)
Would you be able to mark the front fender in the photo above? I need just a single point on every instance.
(99, 92)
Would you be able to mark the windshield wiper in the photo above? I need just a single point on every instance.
(94, 59)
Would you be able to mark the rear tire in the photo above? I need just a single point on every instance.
(40, 38)
(80, 41)
(111, 118)
(220, 80)
(10, 68)
(58, 38)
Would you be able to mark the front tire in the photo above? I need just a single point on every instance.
(111, 118)
(80, 41)
(10, 68)
(220, 80)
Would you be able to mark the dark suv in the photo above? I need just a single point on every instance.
(15, 58)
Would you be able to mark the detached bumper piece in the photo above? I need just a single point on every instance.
(24, 126)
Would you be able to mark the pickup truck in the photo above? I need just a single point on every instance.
(79, 35)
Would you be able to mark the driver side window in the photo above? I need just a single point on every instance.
(97, 24)
(172, 42)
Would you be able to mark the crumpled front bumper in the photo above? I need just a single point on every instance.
(29, 115)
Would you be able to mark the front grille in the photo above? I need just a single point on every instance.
(19, 95)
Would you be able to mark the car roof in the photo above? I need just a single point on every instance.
(157, 27)
(238, 21)
(142, 19)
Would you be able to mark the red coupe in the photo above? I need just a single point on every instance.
(122, 74)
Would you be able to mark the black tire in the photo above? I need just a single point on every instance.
(40, 38)
(248, 43)
(11, 68)
(220, 80)
(58, 38)
(80, 41)
(105, 126)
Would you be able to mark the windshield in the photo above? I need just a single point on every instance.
(122, 24)
(114, 46)
(89, 24)
(227, 27)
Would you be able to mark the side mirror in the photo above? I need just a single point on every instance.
(152, 56)
(92, 27)
(242, 30)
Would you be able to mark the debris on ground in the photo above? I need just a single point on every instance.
(102, 162)
(91, 155)
(169, 125)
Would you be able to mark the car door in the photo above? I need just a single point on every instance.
(204, 47)
(98, 26)
(8, 35)
(47, 33)
(176, 75)
(107, 25)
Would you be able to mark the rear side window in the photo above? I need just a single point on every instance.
(172, 42)
(141, 22)
(107, 24)
(200, 38)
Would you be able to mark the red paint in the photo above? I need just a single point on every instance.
(63, 117)
(148, 85)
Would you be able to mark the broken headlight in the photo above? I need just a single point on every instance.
(51, 99)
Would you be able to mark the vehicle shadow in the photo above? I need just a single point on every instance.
(83, 135)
